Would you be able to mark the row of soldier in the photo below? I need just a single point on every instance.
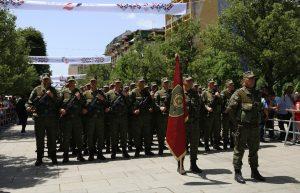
(131, 114)
(91, 118)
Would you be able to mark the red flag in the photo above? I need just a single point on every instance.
(176, 138)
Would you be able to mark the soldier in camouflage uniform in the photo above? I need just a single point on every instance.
(95, 108)
(130, 121)
(194, 107)
(163, 99)
(244, 107)
(142, 107)
(228, 127)
(72, 103)
(43, 103)
(212, 101)
(118, 107)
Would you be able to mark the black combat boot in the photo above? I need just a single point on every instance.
(161, 150)
(66, 157)
(100, 155)
(54, 158)
(80, 157)
(194, 168)
(206, 146)
(148, 152)
(238, 177)
(225, 144)
(125, 153)
(256, 175)
(137, 153)
(39, 159)
(91, 157)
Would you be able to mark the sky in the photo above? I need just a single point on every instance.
(69, 33)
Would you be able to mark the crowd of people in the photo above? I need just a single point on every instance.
(89, 121)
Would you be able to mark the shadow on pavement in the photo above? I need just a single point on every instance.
(19, 172)
(14, 134)
(279, 180)
(209, 182)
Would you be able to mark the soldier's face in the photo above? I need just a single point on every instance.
(72, 84)
(250, 82)
(166, 85)
(231, 87)
(46, 82)
(93, 84)
(118, 85)
(141, 84)
(211, 85)
(189, 84)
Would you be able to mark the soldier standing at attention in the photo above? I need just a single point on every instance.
(227, 124)
(43, 103)
(245, 106)
(118, 107)
(142, 107)
(194, 105)
(211, 99)
(163, 99)
(72, 103)
(95, 108)
(130, 121)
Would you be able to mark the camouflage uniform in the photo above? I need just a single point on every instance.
(141, 100)
(71, 122)
(227, 125)
(95, 122)
(245, 107)
(45, 119)
(213, 119)
(162, 99)
(118, 104)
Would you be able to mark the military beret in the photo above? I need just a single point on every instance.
(165, 79)
(117, 81)
(71, 78)
(141, 79)
(248, 74)
(188, 78)
(211, 80)
(45, 76)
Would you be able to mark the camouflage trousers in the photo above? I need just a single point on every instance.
(72, 129)
(46, 125)
(246, 134)
(193, 137)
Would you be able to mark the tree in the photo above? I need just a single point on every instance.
(101, 72)
(155, 59)
(16, 75)
(182, 41)
(264, 35)
(37, 47)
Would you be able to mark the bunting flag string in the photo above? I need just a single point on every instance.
(45, 60)
(151, 8)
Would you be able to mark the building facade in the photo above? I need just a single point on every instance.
(121, 44)
(205, 11)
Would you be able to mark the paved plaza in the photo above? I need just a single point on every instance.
(279, 163)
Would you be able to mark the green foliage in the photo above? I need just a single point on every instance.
(265, 35)
(16, 75)
(37, 47)
(101, 72)
(156, 59)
